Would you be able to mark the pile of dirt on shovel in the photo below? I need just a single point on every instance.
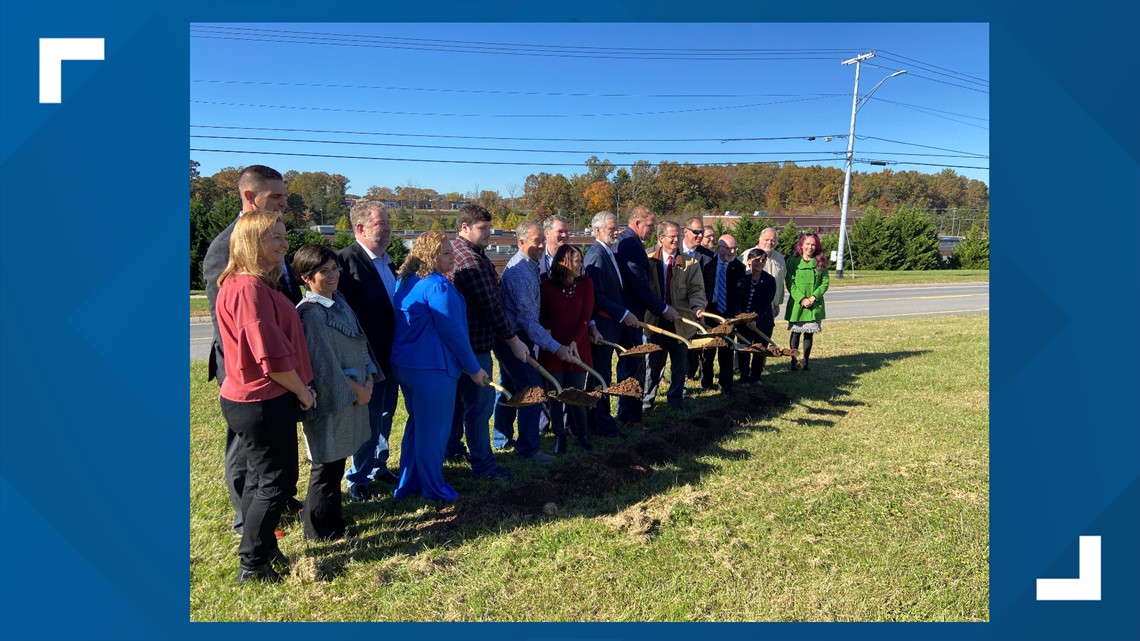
(530, 396)
(629, 387)
(598, 474)
(642, 350)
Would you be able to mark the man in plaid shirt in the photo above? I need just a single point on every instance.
(475, 278)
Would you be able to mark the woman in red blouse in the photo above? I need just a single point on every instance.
(567, 304)
(267, 384)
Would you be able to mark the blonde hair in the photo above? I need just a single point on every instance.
(245, 247)
(421, 260)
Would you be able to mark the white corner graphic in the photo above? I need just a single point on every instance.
(1086, 587)
(53, 51)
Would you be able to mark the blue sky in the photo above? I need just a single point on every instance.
(635, 89)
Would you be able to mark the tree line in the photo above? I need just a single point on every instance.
(880, 237)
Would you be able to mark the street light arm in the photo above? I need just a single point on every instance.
(867, 95)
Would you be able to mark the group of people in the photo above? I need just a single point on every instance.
(335, 357)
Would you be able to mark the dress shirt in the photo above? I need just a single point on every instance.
(521, 299)
(381, 263)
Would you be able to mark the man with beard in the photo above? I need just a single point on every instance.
(475, 278)
(611, 316)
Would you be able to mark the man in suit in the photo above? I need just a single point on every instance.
(260, 188)
(633, 265)
(692, 236)
(728, 288)
(680, 282)
(556, 233)
(610, 313)
(368, 283)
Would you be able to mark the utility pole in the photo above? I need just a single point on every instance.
(856, 102)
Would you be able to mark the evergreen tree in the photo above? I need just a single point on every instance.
(919, 243)
(786, 241)
(343, 224)
(397, 251)
(874, 243)
(974, 251)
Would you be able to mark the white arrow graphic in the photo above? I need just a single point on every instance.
(1086, 587)
(53, 51)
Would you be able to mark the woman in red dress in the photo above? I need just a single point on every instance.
(567, 304)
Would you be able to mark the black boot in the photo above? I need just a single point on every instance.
(263, 573)
(560, 444)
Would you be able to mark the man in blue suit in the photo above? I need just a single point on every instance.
(611, 316)
(633, 265)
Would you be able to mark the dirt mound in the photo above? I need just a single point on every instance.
(599, 474)
(641, 350)
(629, 387)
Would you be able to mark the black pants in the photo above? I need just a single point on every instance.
(629, 409)
(236, 473)
(599, 418)
(752, 364)
(323, 515)
(701, 363)
(678, 355)
(268, 431)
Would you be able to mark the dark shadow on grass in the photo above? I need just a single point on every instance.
(674, 451)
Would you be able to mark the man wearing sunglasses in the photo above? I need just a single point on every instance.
(692, 247)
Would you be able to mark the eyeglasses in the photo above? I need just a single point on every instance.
(695, 232)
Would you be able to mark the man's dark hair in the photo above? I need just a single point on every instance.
(471, 214)
(254, 176)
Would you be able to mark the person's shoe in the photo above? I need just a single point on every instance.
(795, 364)
(359, 492)
(678, 405)
(279, 558)
(387, 477)
(509, 444)
(293, 505)
(560, 445)
(457, 457)
(497, 474)
(537, 457)
(262, 573)
(805, 363)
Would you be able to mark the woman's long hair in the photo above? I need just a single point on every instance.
(820, 257)
(245, 247)
(421, 259)
(560, 265)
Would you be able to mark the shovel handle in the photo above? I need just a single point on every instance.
(713, 316)
(589, 369)
(502, 390)
(545, 374)
(663, 332)
(700, 327)
(619, 348)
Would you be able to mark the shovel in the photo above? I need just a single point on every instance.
(570, 396)
(646, 348)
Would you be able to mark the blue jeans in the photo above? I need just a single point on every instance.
(372, 456)
(517, 376)
(473, 408)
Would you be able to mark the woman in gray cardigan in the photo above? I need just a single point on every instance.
(344, 370)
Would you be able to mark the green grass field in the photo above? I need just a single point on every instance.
(864, 498)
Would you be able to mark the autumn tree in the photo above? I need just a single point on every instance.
(599, 196)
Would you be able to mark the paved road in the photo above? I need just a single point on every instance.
(843, 304)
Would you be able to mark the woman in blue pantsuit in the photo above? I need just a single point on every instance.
(429, 352)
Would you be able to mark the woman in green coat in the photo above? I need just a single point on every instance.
(807, 281)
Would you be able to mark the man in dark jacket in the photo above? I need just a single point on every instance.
(260, 188)
(728, 287)
(611, 317)
(694, 232)
(368, 283)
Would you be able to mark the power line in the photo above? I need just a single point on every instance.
(561, 151)
(514, 93)
(930, 112)
(462, 115)
(500, 47)
(519, 138)
(912, 144)
(541, 164)
(916, 75)
(948, 72)
(903, 104)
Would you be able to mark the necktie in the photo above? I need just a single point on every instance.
(668, 280)
(721, 286)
